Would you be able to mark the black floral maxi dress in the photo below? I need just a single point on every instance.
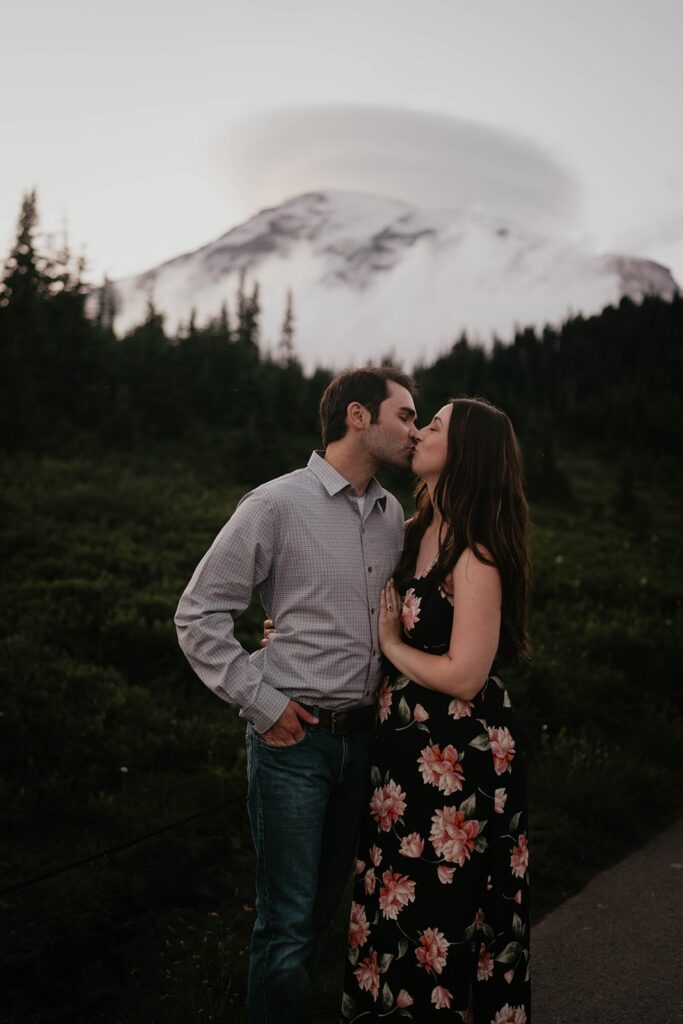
(439, 927)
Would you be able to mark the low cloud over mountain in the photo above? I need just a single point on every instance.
(372, 275)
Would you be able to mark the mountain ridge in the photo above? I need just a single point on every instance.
(373, 275)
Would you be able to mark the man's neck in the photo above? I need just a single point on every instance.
(355, 466)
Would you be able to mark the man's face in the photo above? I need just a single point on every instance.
(391, 440)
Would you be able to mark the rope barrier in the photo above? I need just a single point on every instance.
(118, 848)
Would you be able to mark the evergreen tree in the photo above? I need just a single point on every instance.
(151, 330)
(191, 329)
(106, 307)
(248, 315)
(286, 344)
(224, 329)
(25, 280)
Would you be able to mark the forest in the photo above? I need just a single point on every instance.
(121, 458)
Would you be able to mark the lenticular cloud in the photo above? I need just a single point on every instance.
(430, 160)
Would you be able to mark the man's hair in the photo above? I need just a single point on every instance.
(369, 387)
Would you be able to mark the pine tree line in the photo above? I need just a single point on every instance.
(612, 380)
(65, 374)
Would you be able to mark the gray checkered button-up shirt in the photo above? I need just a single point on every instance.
(319, 568)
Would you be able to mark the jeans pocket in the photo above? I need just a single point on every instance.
(278, 749)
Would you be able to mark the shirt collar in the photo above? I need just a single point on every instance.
(334, 482)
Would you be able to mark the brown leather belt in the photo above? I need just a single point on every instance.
(346, 721)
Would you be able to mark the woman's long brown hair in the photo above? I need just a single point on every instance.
(480, 494)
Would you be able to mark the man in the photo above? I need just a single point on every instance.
(318, 544)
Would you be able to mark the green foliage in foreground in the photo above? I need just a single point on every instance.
(95, 553)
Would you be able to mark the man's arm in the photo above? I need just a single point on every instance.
(239, 559)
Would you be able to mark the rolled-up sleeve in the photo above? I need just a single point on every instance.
(239, 560)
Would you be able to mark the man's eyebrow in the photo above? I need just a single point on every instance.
(408, 410)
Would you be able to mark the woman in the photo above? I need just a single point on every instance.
(439, 918)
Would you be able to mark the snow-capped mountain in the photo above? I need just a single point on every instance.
(372, 276)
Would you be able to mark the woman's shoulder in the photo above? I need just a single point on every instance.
(479, 552)
(475, 564)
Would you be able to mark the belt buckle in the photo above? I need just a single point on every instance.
(334, 715)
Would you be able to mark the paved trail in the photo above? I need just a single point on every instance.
(613, 954)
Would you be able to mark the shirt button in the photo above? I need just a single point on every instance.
(372, 611)
(369, 568)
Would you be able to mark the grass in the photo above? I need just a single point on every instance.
(95, 554)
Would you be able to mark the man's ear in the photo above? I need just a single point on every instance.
(357, 416)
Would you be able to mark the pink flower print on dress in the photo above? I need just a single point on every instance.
(395, 893)
(460, 708)
(367, 975)
(452, 836)
(419, 714)
(387, 805)
(509, 975)
(360, 867)
(446, 588)
(359, 929)
(376, 855)
(519, 860)
(441, 997)
(370, 881)
(442, 770)
(412, 845)
(502, 748)
(428, 758)
(485, 964)
(404, 999)
(385, 698)
(500, 796)
(410, 612)
(518, 897)
(450, 771)
(510, 1015)
(432, 951)
(445, 874)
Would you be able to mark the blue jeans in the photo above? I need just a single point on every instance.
(305, 804)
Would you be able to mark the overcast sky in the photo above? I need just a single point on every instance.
(153, 128)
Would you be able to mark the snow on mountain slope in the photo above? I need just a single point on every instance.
(372, 276)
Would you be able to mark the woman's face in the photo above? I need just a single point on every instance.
(431, 449)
